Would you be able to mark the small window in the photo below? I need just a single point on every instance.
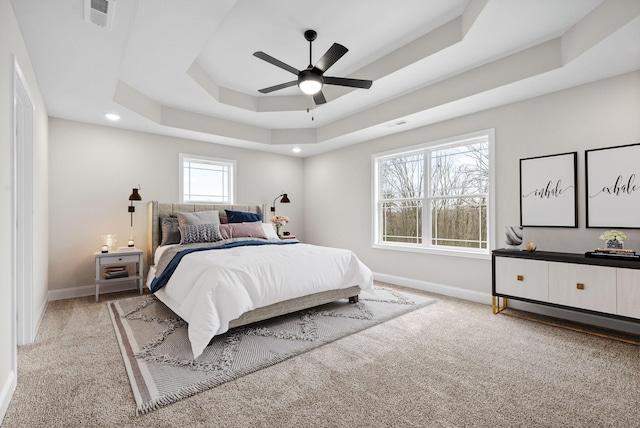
(206, 180)
(435, 197)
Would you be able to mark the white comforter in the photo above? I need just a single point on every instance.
(211, 288)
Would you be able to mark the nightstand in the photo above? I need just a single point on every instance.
(283, 237)
(111, 268)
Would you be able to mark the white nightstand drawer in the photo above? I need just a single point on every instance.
(115, 259)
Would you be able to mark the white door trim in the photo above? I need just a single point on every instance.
(23, 206)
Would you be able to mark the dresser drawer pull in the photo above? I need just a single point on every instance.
(520, 278)
(580, 286)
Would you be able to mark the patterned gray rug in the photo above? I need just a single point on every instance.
(156, 352)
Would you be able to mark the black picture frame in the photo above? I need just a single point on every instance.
(612, 187)
(548, 191)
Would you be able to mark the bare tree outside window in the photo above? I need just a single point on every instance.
(458, 195)
(457, 181)
(402, 193)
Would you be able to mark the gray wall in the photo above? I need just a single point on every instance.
(93, 169)
(339, 191)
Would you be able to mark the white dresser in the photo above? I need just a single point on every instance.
(608, 287)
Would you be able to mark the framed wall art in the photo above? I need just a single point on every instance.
(613, 186)
(548, 191)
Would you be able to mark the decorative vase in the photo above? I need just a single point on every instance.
(513, 236)
(614, 244)
(278, 230)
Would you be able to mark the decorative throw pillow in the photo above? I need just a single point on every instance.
(198, 217)
(242, 230)
(194, 233)
(170, 231)
(270, 231)
(242, 216)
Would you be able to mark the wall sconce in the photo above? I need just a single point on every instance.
(283, 199)
(135, 196)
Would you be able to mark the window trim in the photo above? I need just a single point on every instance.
(206, 159)
(376, 222)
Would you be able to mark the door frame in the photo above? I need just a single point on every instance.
(23, 208)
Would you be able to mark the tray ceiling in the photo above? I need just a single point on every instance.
(187, 69)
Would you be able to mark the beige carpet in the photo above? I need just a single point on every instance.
(451, 364)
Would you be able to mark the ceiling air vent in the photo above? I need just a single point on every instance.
(99, 12)
(397, 123)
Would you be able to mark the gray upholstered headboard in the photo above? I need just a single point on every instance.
(157, 210)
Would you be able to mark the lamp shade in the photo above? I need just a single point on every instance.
(283, 198)
(135, 196)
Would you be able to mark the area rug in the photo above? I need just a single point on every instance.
(157, 356)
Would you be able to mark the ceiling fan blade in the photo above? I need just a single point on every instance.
(352, 83)
(278, 87)
(276, 62)
(334, 53)
(319, 98)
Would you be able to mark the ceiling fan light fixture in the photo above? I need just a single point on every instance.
(309, 83)
(310, 87)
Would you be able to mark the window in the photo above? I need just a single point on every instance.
(435, 197)
(207, 180)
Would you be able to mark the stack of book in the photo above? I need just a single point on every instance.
(112, 272)
(123, 249)
(613, 253)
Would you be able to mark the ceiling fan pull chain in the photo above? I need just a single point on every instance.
(309, 110)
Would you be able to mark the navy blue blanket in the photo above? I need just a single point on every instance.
(161, 280)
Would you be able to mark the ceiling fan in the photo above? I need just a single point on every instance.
(311, 79)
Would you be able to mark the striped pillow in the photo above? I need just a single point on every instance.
(194, 233)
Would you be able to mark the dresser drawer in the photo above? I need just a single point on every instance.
(522, 278)
(583, 286)
(628, 292)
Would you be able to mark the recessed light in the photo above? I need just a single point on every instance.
(112, 116)
(296, 150)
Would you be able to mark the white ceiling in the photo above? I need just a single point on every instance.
(186, 69)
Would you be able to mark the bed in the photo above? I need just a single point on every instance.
(215, 289)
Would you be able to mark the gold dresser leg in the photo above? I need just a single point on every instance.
(495, 304)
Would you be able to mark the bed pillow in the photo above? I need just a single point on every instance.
(242, 216)
(270, 232)
(242, 230)
(195, 233)
(170, 232)
(198, 217)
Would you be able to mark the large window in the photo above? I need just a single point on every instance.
(207, 180)
(435, 197)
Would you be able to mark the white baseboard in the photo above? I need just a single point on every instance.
(43, 309)
(446, 290)
(90, 290)
(485, 298)
(8, 388)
